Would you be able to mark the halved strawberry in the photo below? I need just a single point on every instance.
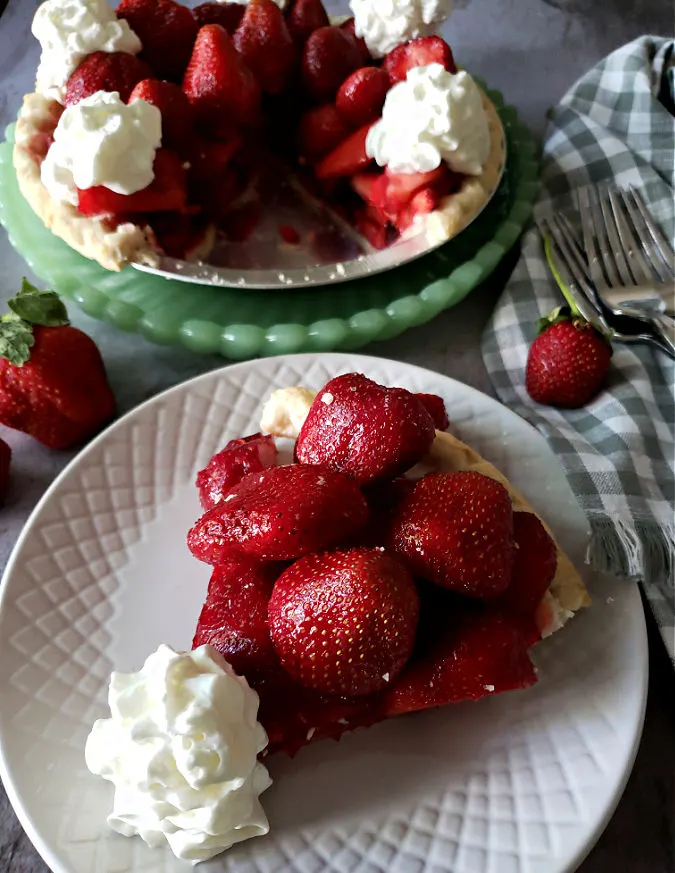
(424, 202)
(476, 654)
(219, 85)
(366, 430)
(344, 622)
(304, 17)
(534, 566)
(349, 157)
(361, 96)
(167, 31)
(105, 71)
(176, 109)
(329, 56)
(418, 52)
(227, 15)
(371, 227)
(280, 514)
(251, 454)
(435, 406)
(265, 45)
(366, 184)
(166, 192)
(456, 529)
(234, 617)
(402, 187)
(321, 129)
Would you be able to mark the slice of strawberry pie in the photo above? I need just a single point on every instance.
(348, 592)
(153, 127)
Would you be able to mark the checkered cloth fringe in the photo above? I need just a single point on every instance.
(617, 123)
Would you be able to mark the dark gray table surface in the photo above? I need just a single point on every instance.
(532, 50)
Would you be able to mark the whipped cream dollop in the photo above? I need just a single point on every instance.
(285, 411)
(102, 141)
(432, 116)
(68, 31)
(182, 751)
(385, 24)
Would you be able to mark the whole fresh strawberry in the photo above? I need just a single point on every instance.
(105, 71)
(304, 17)
(456, 529)
(361, 96)
(435, 406)
(265, 45)
(568, 361)
(330, 54)
(239, 458)
(53, 384)
(344, 622)
(364, 429)
(280, 514)
(234, 616)
(5, 461)
(167, 31)
(534, 566)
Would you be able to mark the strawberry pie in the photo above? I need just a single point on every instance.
(154, 128)
(388, 569)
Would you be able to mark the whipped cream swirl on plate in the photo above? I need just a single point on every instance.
(431, 117)
(68, 31)
(182, 751)
(102, 141)
(385, 24)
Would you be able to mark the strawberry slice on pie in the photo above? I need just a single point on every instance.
(267, 84)
(432, 595)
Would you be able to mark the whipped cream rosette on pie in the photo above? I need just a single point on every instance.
(388, 569)
(150, 123)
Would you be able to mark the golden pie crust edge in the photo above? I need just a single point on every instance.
(112, 248)
(567, 593)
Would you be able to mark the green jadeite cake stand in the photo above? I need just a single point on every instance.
(243, 324)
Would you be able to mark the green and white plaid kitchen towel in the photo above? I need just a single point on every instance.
(616, 123)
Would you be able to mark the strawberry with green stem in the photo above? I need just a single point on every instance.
(568, 362)
(53, 384)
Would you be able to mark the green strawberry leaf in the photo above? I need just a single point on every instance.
(39, 307)
(16, 339)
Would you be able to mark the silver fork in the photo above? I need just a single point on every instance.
(625, 250)
(577, 279)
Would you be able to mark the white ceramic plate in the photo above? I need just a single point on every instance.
(519, 783)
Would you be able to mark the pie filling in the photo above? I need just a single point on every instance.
(242, 96)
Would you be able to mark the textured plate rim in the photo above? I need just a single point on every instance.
(54, 862)
(238, 341)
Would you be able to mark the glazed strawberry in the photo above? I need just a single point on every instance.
(418, 52)
(210, 158)
(435, 406)
(534, 565)
(5, 461)
(321, 129)
(344, 622)
(361, 96)
(304, 17)
(265, 45)
(567, 363)
(456, 529)
(219, 85)
(280, 514)
(251, 454)
(177, 112)
(227, 15)
(234, 616)
(53, 384)
(477, 653)
(167, 31)
(167, 192)
(105, 71)
(350, 29)
(348, 158)
(329, 56)
(364, 429)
